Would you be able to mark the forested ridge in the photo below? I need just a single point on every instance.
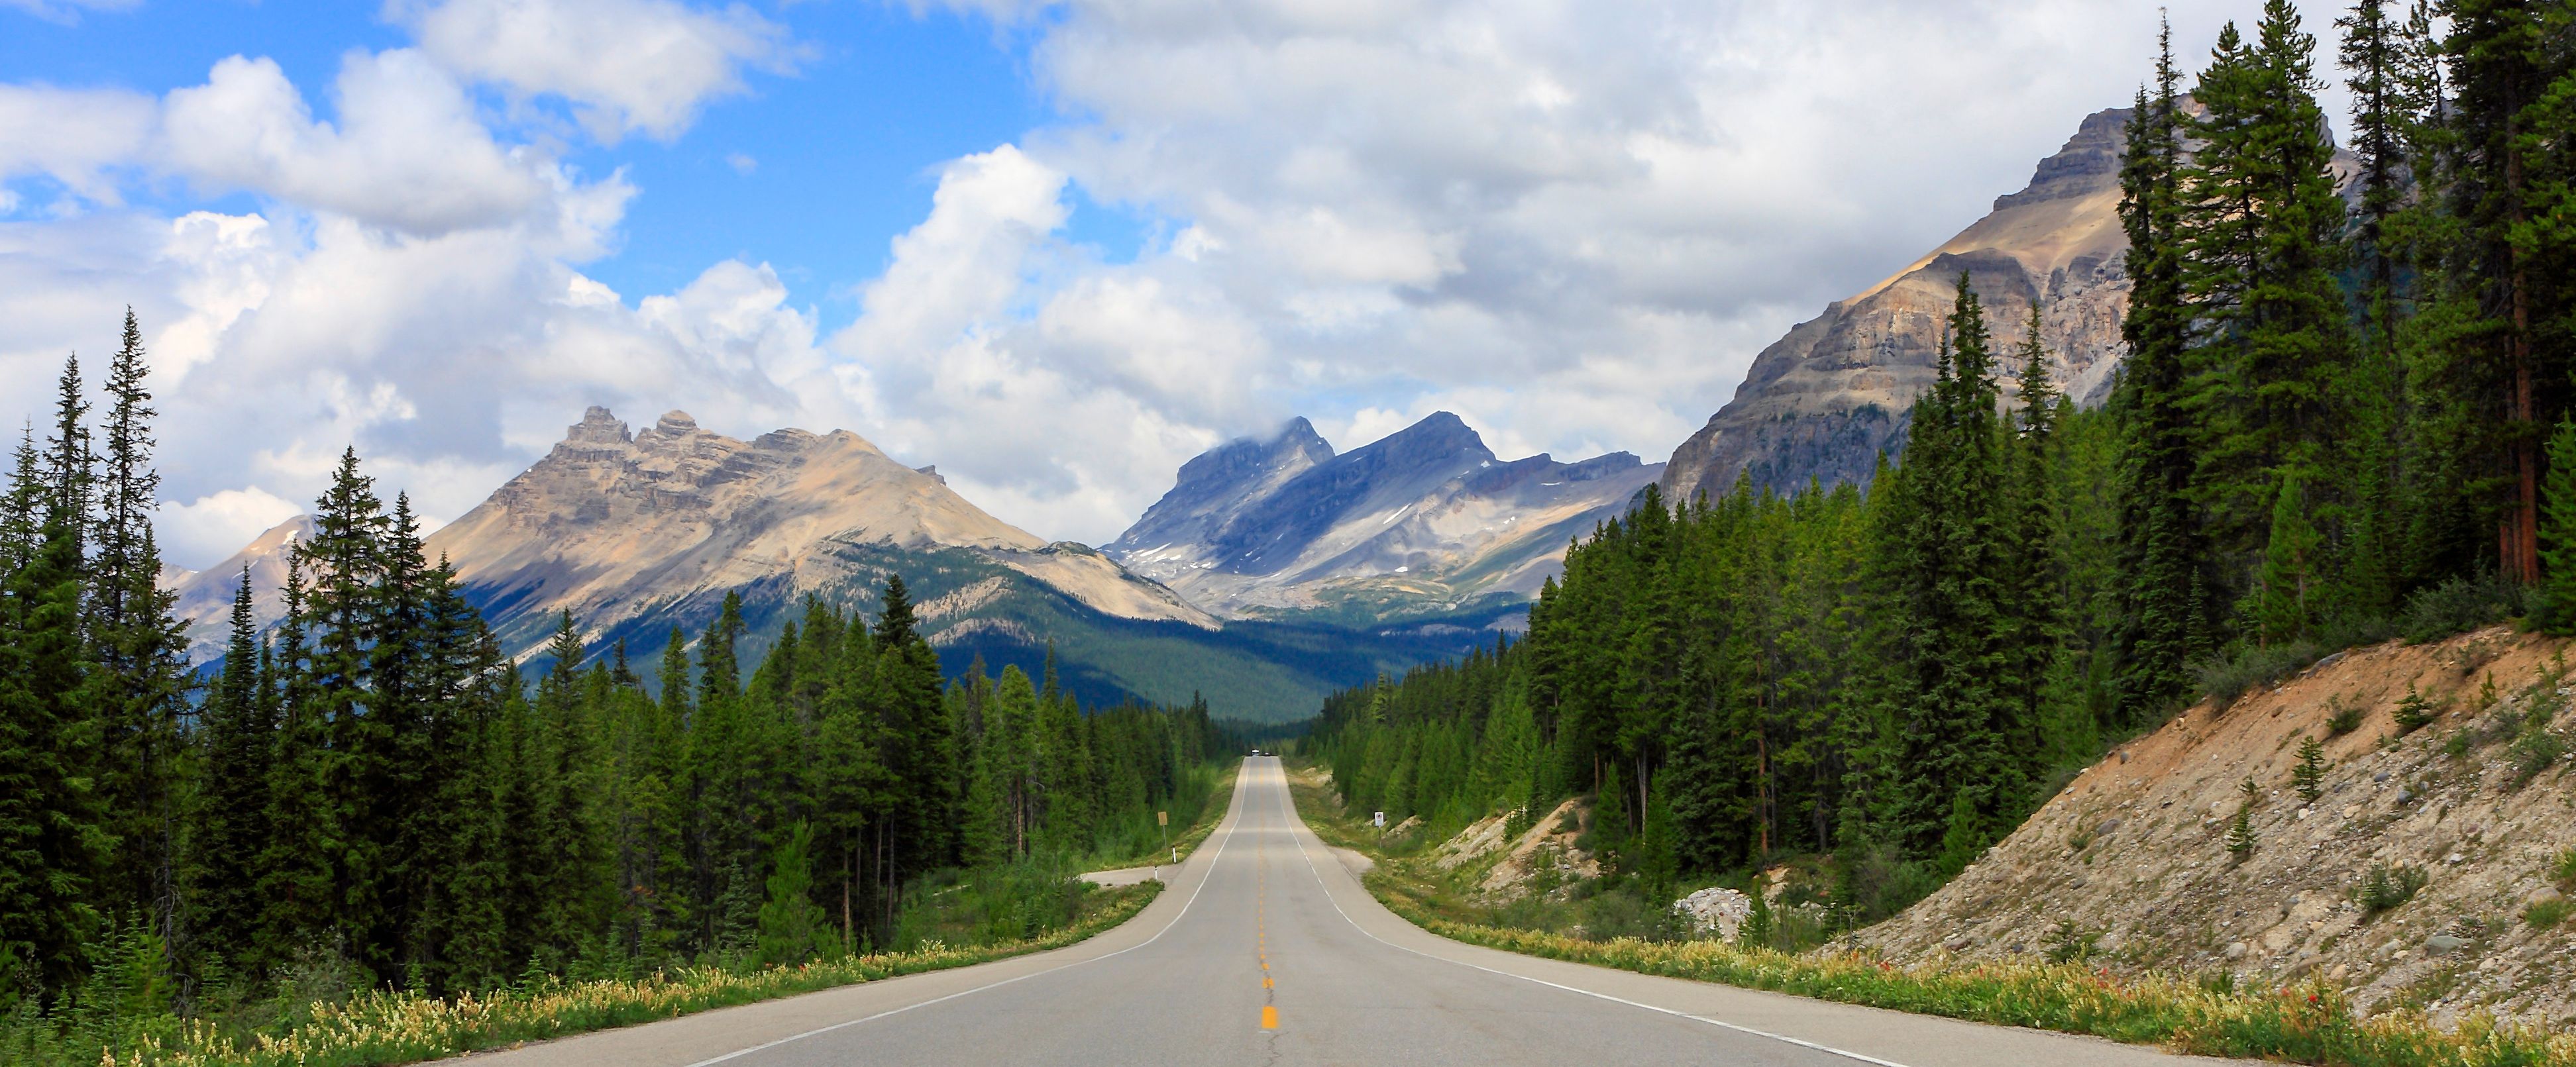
(2343, 417)
(369, 790)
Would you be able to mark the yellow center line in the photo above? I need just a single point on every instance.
(1261, 941)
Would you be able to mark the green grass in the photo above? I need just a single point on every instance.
(386, 1027)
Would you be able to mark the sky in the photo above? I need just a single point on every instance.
(1055, 247)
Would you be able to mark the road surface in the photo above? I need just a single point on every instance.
(1266, 950)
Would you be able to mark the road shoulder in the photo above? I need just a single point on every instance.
(706, 1038)
(1892, 1038)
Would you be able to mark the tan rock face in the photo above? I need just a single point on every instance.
(2134, 850)
(612, 524)
(205, 598)
(1824, 400)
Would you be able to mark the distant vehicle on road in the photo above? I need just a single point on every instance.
(1256, 752)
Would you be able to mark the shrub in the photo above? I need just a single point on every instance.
(2547, 914)
(2535, 751)
(2387, 888)
(2459, 606)
(2255, 667)
(2069, 943)
(2563, 870)
(2414, 711)
(2340, 718)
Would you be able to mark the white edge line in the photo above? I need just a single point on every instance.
(1158, 935)
(1346, 917)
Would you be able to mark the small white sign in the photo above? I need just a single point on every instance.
(1381, 819)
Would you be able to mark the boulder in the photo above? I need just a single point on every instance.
(1716, 910)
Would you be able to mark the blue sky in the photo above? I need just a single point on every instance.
(1056, 247)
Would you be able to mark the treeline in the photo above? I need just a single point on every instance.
(2334, 424)
(369, 786)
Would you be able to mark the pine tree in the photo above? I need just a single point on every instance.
(142, 655)
(2310, 776)
(2377, 58)
(2558, 531)
(299, 902)
(1963, 728)
(2286, 592)
(1610, 824)
(2498, 372)
(2261, 240)
(561, 735)
(238, 742)
(54, 840)
(2034, 616)
(2161, 553)
(2240, 832)
(791, 924)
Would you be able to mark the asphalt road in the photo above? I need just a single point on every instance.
(1266, 950)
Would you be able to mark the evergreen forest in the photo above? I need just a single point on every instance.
(2344, 417)
(368, 794)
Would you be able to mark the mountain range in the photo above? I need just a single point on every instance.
(636, 533)
(1424, 520)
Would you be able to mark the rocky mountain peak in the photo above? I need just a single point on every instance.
(1825, 400)
(2088, 164)
(598, 426)
(1221, 481)
(205, 598)
(1425, 518)
(1441, 437)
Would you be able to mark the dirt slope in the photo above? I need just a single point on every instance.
(2134, 854)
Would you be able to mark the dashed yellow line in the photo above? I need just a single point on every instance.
(1261, 942)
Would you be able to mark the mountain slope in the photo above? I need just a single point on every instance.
(205, 598)
(1822, 401)
(1424, 520)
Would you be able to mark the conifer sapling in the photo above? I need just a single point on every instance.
(2240, 834)
(2310, 776)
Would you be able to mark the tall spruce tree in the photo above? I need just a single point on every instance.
(54, 836)
(2161, 552)
(142, 656)
(238, 742)
(1962, 729)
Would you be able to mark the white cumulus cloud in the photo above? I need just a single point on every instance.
(407, 151)
(626, 65)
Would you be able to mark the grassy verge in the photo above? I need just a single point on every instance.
(1199, 823)
(384, 1027)
(2304, 1024)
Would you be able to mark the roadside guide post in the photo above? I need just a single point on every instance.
(1379, 820)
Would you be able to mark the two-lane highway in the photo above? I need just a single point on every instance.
(1266, 950)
